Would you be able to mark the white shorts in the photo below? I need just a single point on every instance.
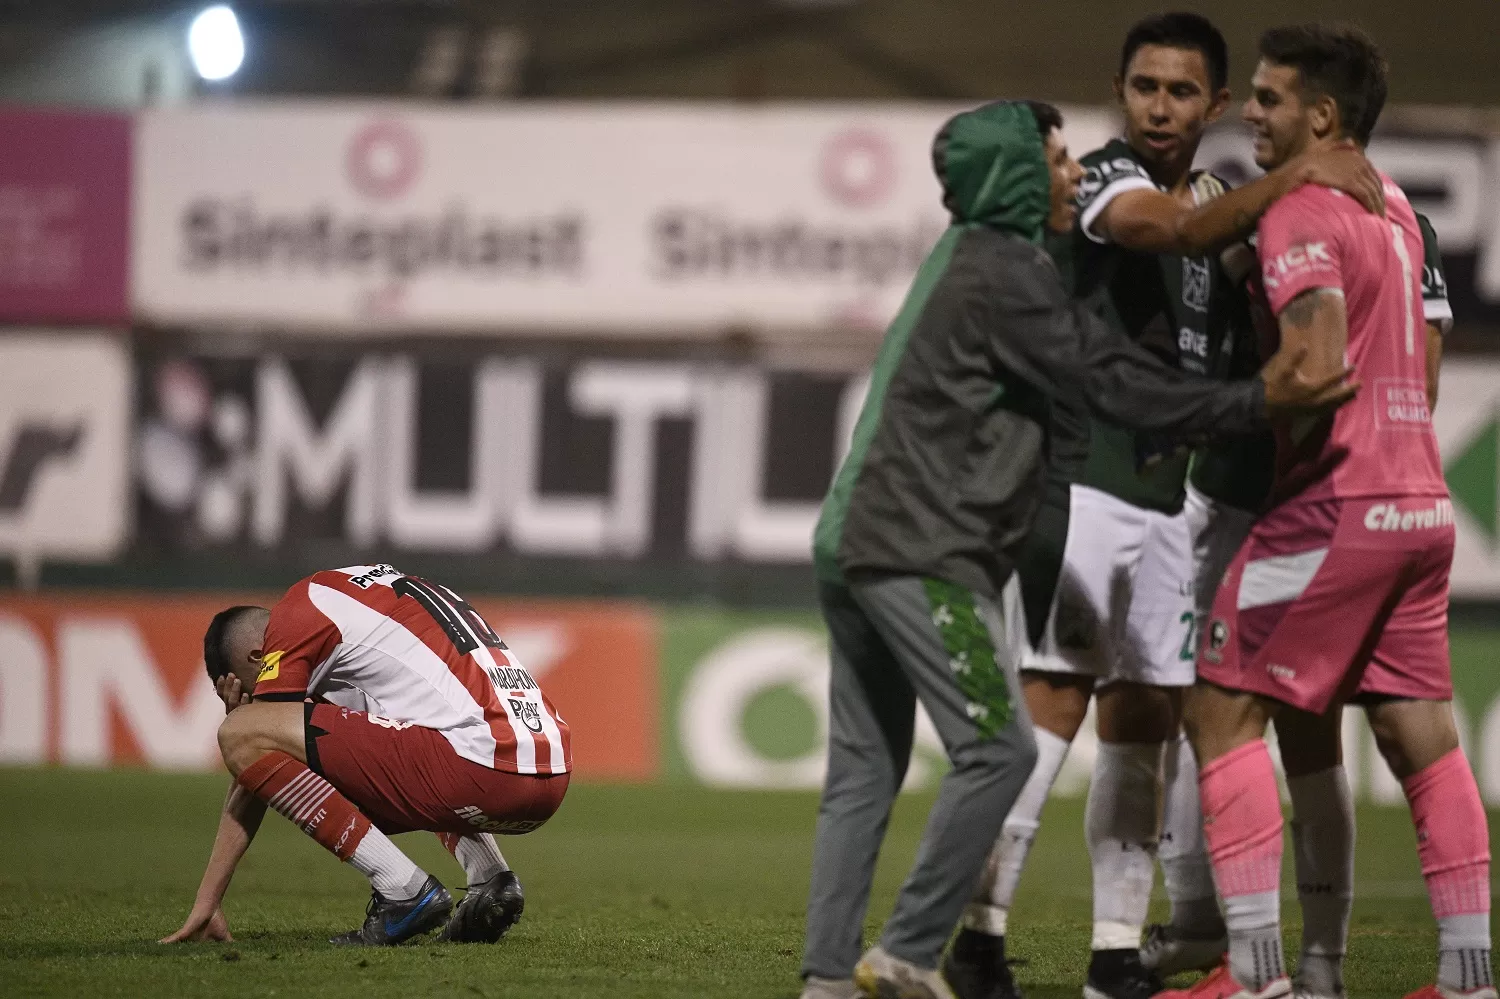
(1218, 530)
(1124, 608)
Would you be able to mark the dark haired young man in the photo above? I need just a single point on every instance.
(1106, 578)
(1339, 593)
(369, 702)
(986, 366)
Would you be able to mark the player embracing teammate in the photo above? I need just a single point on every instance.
(1107, 571)
(1339, 594)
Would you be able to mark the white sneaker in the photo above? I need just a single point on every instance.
(881, 976)
(1166, 951)
(829, 988)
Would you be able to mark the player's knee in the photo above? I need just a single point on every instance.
(239, 744)
(1133, 712)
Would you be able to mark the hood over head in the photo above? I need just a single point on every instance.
(992, 164)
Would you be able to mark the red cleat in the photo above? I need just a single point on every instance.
(1438, 992)
(1220, 984)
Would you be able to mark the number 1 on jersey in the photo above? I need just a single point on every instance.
(463, 625)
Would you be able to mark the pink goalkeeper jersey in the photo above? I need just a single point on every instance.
(1381, 443)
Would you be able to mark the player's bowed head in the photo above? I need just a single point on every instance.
(232, 648)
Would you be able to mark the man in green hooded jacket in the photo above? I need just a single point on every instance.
(985, 370)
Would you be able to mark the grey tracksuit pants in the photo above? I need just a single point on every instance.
(893, 642)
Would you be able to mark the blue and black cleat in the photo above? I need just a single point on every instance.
(486, 911)
(388, 923)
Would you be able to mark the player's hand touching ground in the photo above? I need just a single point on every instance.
(1290, 392)
(1344, 167)
(202, 923)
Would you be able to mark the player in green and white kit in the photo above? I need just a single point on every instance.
(1107, 578)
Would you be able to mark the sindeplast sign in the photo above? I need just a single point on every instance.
(638, 217)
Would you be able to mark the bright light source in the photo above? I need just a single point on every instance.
(215, 43)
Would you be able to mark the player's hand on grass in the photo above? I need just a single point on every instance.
(1290, 392)
(202, 924)
(231, 692)
(1345, 168)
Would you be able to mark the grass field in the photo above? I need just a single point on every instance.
(657, 892)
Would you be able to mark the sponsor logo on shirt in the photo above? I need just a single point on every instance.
(1402, 404)
(1296, 260)
(529, 714)
(1191, 342)
(375, 575)
(270, 667)
(1283, 673)
(1390, 517)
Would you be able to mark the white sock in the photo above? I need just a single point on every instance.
(1323, 845)
(1120, 823)
(1186, 870)
(1254, 923)
(390, 871)
(481, 857)
(1464, 952)
(989, 911)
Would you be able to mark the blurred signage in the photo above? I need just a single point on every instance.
(64, 216)
(489, 452)
(65, 413)
(1467, 422)
(100, 680)
(747, 702)
(486, 453)
(573, 217)
(1454, 181)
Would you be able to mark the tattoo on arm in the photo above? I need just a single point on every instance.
(1304, 308)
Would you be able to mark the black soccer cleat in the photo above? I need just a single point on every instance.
(388, 923)
(1119, 974)
(976, 967)
(487, 911)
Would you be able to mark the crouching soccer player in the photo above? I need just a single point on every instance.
(366, 703)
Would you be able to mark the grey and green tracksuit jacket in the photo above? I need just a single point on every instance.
(987, 370)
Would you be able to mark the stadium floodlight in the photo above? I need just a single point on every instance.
(215, 43)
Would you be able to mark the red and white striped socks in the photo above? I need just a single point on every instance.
(318, 809)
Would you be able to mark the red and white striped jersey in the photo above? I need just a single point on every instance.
(371, 638)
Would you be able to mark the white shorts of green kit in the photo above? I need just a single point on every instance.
(1123, 609)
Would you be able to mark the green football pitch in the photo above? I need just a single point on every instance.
(631, 892)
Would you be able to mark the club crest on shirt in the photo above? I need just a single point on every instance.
(1195, 283)
(1218, 637)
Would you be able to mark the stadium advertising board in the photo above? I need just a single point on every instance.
(64, 216)
(522, 457)
(629, 218)
(479, 453)
(100, 680)
(1467, 422)
(64, 446)
(747, 707)
(635, 218)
